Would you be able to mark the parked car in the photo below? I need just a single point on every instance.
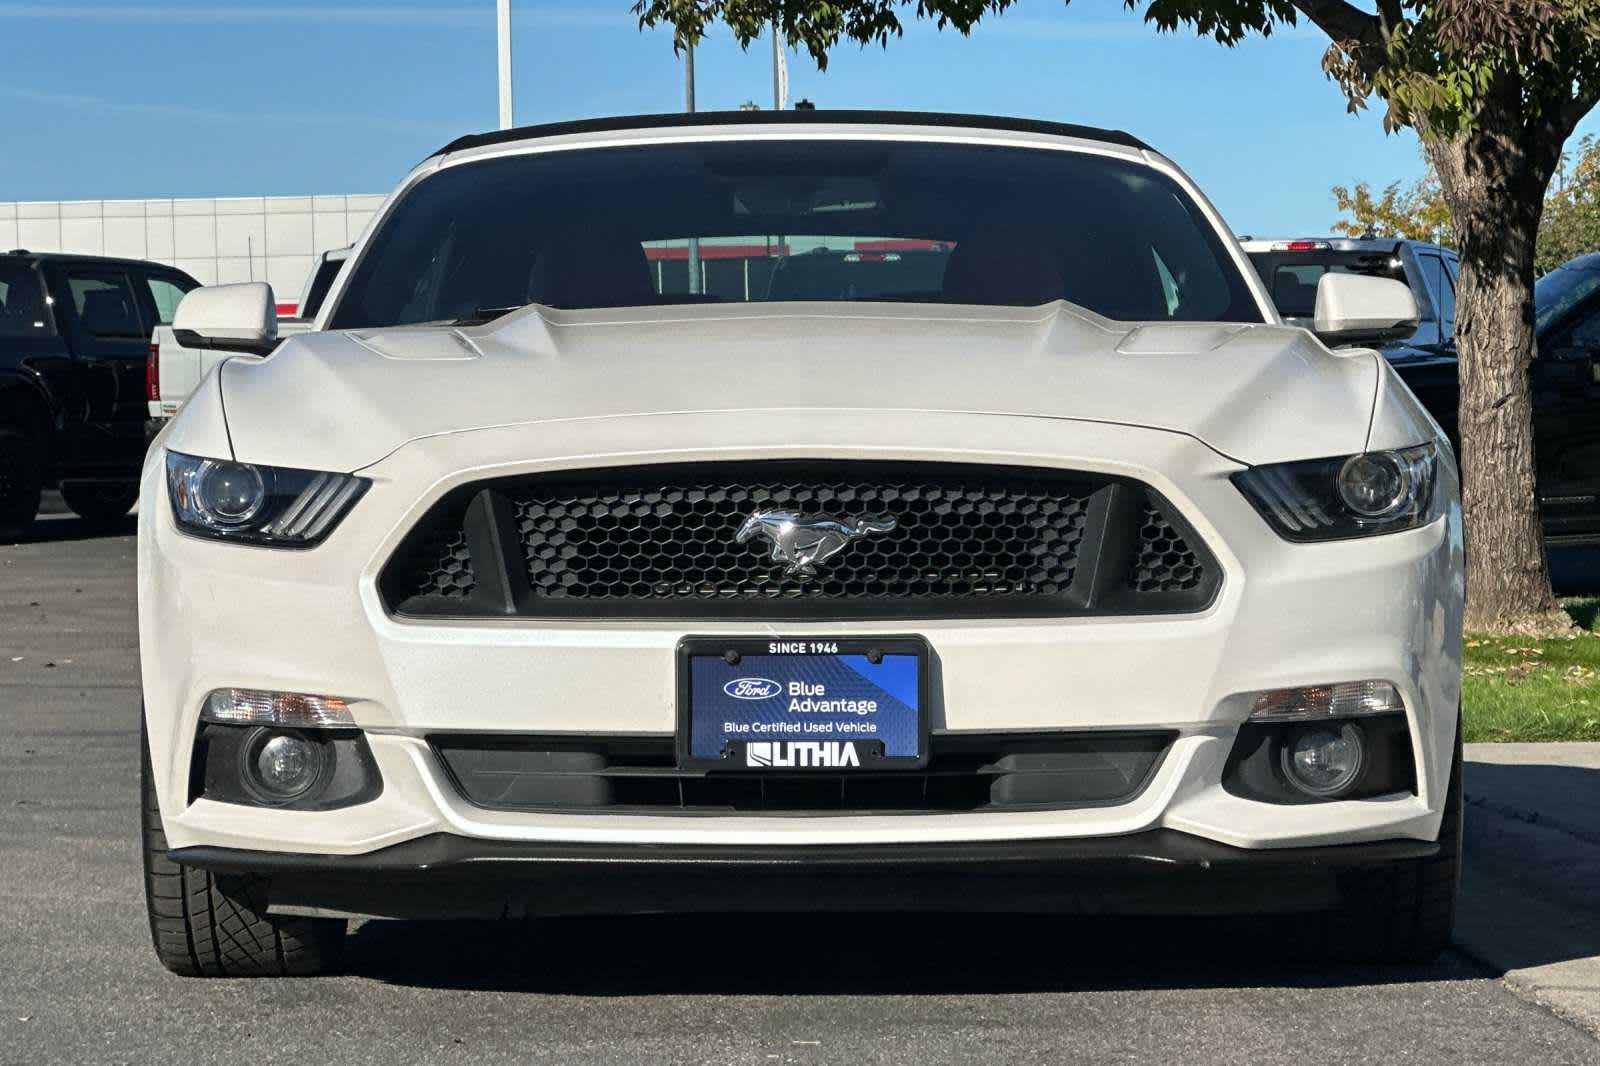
(1565, 380)
(74, 349)
(1065, 578)
(1291, 269)
(175, 369)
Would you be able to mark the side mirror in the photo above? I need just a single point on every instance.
(1357, 309)
(228, 318)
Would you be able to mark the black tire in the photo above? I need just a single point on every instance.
(21, 480)
(100, 505)
(1404, 912)
(204, 925)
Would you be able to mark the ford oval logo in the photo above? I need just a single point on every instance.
(752, 688)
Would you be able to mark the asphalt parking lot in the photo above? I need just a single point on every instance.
(78, 982)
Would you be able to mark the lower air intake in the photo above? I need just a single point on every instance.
(965, 772)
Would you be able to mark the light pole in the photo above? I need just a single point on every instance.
(780, 71)
(688, 78)
(503, 35)
(692, 260)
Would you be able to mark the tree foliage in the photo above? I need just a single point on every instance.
(1436, 62)
(1414, 212)
(1570, 225)
(1571, 222)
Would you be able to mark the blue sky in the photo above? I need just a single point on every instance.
(225, 97)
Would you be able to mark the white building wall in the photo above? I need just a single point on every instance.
(275, 239)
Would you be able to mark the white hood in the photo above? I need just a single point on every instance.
(341, 401)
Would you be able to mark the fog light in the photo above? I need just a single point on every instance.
(282, 766)
(295, 710)
(1325, 761)
(1342, 700)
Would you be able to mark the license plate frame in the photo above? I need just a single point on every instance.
(871, 751)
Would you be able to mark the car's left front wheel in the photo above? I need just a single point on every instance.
(206, 925)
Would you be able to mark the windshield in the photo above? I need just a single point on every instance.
(1560, 291)
(810, 220)
(1292, 277)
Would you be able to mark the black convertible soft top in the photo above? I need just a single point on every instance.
(793, 118)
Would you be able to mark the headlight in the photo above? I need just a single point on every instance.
(258, 504)
(1346, 496)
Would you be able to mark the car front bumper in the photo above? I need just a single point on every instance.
(1155, 871)
(215, 615)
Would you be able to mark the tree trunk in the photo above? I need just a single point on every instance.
(1493, 178)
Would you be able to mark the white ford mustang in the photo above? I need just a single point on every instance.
(851, 511)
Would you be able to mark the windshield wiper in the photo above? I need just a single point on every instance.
(485, 314)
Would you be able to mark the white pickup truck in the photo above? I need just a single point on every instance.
(174, 370)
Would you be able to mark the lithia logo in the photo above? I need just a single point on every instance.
(801, 753)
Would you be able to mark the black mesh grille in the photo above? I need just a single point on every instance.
(912, 540)
(434, 558)
(965, 772)
(1165, 562)
(953, 537)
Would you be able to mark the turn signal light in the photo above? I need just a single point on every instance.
(1344, 699)
(291, 710)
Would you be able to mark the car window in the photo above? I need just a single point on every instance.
(1447, 304)
(320, 284)
(795, 220)
(1582, 333)
(166, 294)
(105, 304)
(24, 312)
(1441, 290)
(1559, 292)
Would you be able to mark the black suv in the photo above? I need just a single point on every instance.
(1292, 268)
(74, 345)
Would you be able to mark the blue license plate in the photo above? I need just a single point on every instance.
(802, 705)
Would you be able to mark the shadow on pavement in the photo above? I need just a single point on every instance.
(1531, 886)
(805, 955)
(1562, 797)
(57, 529)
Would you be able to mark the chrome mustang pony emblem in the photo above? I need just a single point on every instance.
(801, 542)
